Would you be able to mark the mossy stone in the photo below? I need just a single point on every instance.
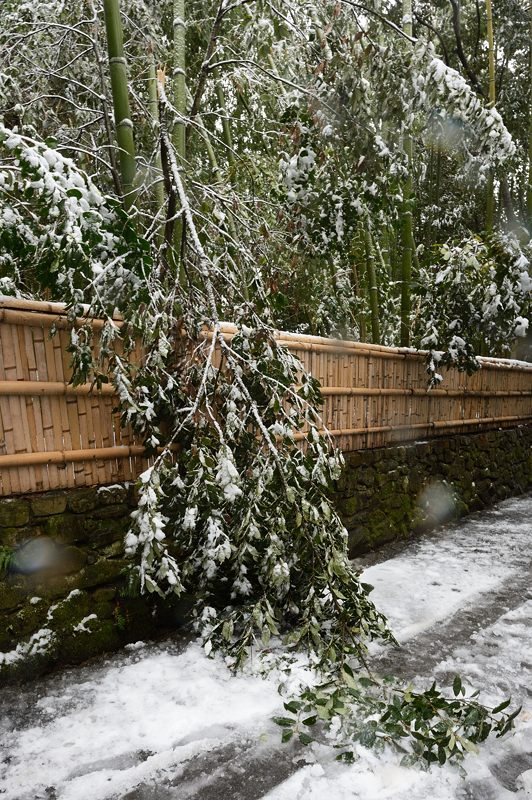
(82, 500)
(14, 537)
(114, 549)
(68, 612)
(30, 618)
(106, 532)
(12, 594)
(112, 512)
(349, 505)
(103, 610)
(14, 512)
(112, 495)
(47, 505)
(102, 572)
(105, 595)
(72, 560)
(66, 528)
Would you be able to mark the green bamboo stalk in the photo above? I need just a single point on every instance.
(529, 186)
(180, 105)
(226, 128)
(359, 291)
(407, 227)
(119, 89)
(158, 187)
(490, 198)
(385, 251)
(373, 290)
(415, 258)
(179, 78)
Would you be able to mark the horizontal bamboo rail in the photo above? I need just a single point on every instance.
(51, 388)
(55, 435)
(434, 425)
(71, 456)
(328, 391)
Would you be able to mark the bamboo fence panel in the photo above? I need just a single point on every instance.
(54, 435)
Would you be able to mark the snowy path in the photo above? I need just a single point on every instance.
(162, 722)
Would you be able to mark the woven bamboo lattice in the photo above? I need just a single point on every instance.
(54, 435)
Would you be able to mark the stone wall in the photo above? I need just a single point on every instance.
(391, 492)
(63, 591)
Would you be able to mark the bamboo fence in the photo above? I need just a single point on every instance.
(54, 435)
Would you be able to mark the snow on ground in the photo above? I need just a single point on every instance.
(160, 703)
(135, 725)
(500, 660)
(438, 574)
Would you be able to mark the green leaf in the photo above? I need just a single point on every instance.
(457, 685)
(287, 735)
(284, 722)
(347, 675)
(304, 738)
(348, 756)
(502, 706)
(293, 706)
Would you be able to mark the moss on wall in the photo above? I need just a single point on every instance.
(392, 492)
(63, 598)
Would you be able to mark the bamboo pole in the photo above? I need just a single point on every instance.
(158, 187)
(291, 340)
(70, 456)
(179, 132)
(490, 198)
(407, 224)
(52, 389)
(327, 391)
(119, 88)
(529, 186)
(43, 306)
(47, 320)
(373, 290)
(437, 424)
